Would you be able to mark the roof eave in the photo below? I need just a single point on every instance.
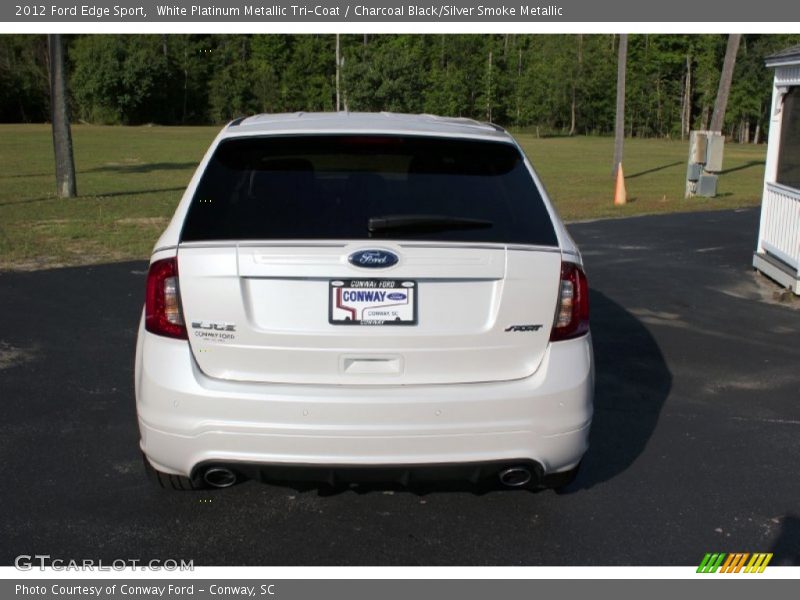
(783, 61)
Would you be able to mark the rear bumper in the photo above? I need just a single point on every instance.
(187, 419)
(405, 475)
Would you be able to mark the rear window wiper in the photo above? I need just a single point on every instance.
(424, 223)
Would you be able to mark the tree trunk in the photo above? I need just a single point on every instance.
(338, 75)
(619, 123)
(725, 78)
(659, 115)
(185, 79)
(686, 104)
(572, 113)
(683, 108)
(688, 95)
(519, 78)
(489, 90)
(62, 135)
(575, 79)
(757, 134)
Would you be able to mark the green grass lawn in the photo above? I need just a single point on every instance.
(577, 175)
(131, 178)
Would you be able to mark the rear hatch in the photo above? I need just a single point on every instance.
(368, 260)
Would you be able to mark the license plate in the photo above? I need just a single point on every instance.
(372, 302)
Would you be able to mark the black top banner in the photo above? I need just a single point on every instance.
(450, 11)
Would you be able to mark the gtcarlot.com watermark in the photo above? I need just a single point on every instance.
(29, 562)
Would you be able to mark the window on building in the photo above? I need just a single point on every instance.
(789, 152)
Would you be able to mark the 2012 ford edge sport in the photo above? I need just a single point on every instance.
(352, 295)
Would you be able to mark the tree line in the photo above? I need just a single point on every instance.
(550, 84)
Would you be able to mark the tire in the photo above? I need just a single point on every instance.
(171, 482)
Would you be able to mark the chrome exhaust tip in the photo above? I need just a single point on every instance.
(219, 477)
(515, 476)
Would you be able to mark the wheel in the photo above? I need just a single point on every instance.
(171, 482)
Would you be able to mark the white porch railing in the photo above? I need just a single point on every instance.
(780, 235)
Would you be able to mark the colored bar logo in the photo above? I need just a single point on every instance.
(735, 562)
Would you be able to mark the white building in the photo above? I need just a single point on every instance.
(778, 251)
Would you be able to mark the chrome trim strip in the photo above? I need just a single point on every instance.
(208, 244)
(487, 246)
(309, 244)
(328, 278)
(344, 244)
(257, 244)
(555, 249)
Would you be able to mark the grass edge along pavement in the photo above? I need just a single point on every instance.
(131, 178)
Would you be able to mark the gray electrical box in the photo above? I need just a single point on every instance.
(705, 159)
(697, 147)
(707, 186)
(714, 148)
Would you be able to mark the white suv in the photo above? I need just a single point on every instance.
(356, 296)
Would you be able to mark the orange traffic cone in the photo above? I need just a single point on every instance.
(620, 195)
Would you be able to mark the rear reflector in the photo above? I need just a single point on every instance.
(162, 309)
(572, 314)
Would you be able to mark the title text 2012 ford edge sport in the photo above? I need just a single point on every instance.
(345, 296)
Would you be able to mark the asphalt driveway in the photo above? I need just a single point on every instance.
(695, 446)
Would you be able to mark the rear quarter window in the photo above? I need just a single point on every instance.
(329, 187)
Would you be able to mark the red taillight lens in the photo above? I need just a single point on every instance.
(572, 314)
(162, 307)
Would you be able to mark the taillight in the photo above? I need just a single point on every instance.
(572, 314)
(162, 307)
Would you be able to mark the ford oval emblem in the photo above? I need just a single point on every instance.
(373, 259)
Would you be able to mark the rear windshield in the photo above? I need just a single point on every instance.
(339, 187)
